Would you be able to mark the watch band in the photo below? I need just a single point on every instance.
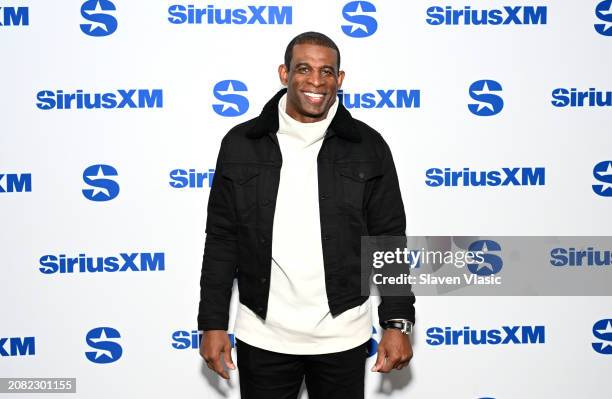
(405, 326)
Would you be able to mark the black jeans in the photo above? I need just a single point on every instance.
(272, 375)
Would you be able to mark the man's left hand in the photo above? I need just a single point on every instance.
(394, 351)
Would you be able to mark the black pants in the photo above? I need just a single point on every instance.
(272, 375)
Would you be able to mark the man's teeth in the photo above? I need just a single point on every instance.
(313, 95)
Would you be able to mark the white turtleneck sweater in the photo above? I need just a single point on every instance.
(298, 319)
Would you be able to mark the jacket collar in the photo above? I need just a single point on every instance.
(343, 123)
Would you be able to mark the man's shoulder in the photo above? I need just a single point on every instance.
(370, 136)
(367, 131)
(239, 132)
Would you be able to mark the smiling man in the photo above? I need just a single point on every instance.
(294, 191)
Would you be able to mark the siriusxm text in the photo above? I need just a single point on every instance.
(508, 15)
(17, 346)
(436, 177)
(578, 257)
(264, 15)
(181, 178)
(575, 98)
(183, 339)
(15, 182)
(381, 99)
(133, 262)
(129, 98)
(14, 16)
(502, 336)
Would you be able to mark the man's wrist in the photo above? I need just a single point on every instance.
(404, 325)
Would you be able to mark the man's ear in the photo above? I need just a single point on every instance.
(340, 78)
(283, 74)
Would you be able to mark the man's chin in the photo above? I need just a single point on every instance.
(314, 113)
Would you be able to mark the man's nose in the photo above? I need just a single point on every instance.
(315, 79)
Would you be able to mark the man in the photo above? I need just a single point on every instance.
(294, 191)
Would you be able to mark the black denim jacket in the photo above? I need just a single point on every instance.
(359, 195)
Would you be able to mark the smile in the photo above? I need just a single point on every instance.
(314, 98)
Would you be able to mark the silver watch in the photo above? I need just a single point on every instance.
(405, 326)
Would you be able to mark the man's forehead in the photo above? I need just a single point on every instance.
(314, 54)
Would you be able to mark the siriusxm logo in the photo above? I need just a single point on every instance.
(362, 23)
(574, 98)
(602, 330)
(133, 262)
(381, 99)
(104, 342)
(96, 176)
(233, 104)
(181, 178)
(574, 257)
(100, 23)
(491, 264)
(489, 103)
(145, 98)
(14, 16)
(262, 15)
(519, 15)
(603, 12)
(15, 182)
(436, 177)
(17, 346)
(182, 339)
(467, 336)
(603, 174)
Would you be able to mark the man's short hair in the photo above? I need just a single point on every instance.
(310, 38)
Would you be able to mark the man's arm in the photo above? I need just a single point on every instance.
(218, 268)
(386, 216)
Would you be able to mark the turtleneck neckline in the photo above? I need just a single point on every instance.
(305, 133)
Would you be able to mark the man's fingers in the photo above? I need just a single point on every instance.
(227, 357)
(401, 365)
(215, 363)
(219, 369)
(403, 361)
(380, 359)
(215, 348)
(391, 363)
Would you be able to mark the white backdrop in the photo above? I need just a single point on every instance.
(48, 46)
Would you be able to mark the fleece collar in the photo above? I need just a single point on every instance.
(343, 125)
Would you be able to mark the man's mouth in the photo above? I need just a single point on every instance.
(314, 98)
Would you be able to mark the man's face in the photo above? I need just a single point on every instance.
(312, 82)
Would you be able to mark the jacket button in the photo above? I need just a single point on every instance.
(325, 238)
(266, 202)
(361, 175)
(263, 280)
(324, 197)
(262, 240)
(259, 308)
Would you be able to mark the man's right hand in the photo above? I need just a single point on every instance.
(216, 349)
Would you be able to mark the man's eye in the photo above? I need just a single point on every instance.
(302, 70)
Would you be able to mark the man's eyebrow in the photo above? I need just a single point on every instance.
(300, 64)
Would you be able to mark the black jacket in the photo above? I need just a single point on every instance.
(359, 195)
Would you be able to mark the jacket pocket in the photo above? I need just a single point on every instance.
(244, 182)
(355, 176)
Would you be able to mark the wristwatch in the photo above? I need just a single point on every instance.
(405, 326)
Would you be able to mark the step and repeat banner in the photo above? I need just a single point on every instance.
(498, 114)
